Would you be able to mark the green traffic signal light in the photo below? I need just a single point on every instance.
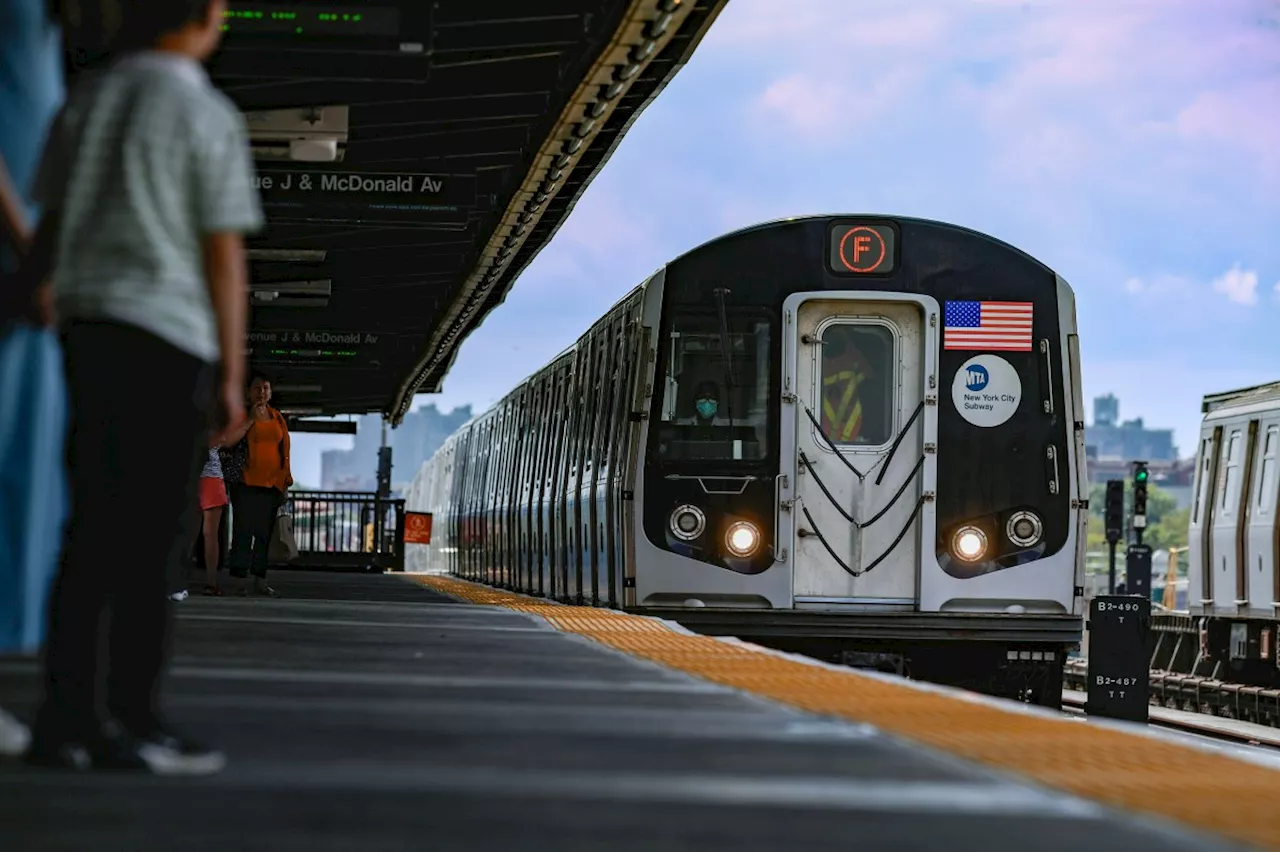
(1140, 476)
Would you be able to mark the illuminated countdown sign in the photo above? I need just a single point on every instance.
(337, 19)
(862, 249)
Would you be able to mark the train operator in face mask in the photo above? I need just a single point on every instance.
(706, 405)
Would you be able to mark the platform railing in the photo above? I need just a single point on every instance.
(347, 530)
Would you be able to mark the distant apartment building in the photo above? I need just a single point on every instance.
(1112, 445)
(414, 441)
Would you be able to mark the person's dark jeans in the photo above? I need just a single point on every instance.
(253, 523)
(139, 410)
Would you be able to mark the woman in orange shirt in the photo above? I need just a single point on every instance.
(257, 497)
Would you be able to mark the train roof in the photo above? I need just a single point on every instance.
(1241, 396)
(823, 217)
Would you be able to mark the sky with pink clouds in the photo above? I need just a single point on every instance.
(1132, 145)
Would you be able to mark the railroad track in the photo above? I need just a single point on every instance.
(1200, 724)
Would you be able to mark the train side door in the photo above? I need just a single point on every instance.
(1225, 531)
(1199, 539)
(1260, 585)
(855, 459)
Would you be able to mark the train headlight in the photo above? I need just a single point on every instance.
(969, 544)
(1024, 529)
(688, 522)
(742, 539)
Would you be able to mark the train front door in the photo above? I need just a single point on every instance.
(860, 424)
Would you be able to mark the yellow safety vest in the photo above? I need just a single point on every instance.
(844, 419)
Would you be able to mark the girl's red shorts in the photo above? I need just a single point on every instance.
(213, 492)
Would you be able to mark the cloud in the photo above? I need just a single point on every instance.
(1240, 286)
(1050, 92)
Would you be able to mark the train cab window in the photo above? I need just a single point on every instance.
(857, 389)
(716, 408)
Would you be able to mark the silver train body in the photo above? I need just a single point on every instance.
(1233, 553)
(943, 540)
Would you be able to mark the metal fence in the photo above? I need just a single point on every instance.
(347, 530)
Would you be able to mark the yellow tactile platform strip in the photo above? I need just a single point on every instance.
(1125, 770)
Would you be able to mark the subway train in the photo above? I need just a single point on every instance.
(854, 437)
(1233, 545)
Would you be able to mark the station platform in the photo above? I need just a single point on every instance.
(399, 712)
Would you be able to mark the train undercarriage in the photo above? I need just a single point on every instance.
(1020, 658)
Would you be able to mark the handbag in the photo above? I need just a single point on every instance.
(234, 460)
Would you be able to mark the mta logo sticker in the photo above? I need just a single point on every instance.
(977, 377)
(986, 390)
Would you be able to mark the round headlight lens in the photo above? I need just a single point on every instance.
(688, 522)
(742, 539)
(1024, 529)
(969, 544)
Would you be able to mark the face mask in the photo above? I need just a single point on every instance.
(707, 408)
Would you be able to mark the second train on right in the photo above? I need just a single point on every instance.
(1233, 546)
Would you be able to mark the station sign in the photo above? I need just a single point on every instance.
(862, 249)
(417, 527)
(313, 345)
(1119, 657)
(381, 197)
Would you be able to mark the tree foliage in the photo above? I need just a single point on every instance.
(1166, 523)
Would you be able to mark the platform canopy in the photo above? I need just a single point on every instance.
(413, 157)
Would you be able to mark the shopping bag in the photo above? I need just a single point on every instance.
(284, 548)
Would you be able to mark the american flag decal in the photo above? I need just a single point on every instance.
(990, 326)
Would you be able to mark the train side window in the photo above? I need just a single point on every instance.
(1232, 472)
(1267, 487)
(857, 384)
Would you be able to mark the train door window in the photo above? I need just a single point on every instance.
(715, 404)
(577, 403)
(1267, 484)
(1231, 473)
(591, 407)
(857, 383)
(1202, 481)
(607, 388)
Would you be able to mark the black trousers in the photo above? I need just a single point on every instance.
(139, 419)
(252, 525)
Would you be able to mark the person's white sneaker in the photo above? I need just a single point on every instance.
(179, 596)
(14, 736)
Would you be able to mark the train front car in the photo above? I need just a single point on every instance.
(864, 440)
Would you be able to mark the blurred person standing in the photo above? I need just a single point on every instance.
(32, 390)
(213, 504)
(256, 499)
(147, 183)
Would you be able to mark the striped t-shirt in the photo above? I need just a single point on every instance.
(143, 162)
(212, 466)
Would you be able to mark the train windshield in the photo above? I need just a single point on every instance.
(715, 401)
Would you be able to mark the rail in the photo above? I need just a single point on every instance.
(1192, 693)
(346, 530)
(1212, 727)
